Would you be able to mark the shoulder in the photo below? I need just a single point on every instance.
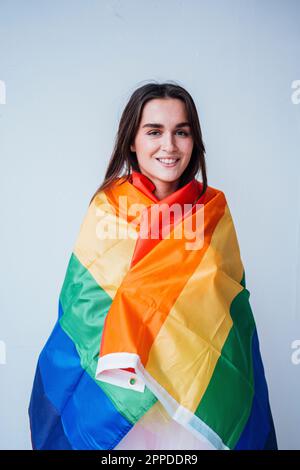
(212, 194)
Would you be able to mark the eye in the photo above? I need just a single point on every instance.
(185, 133)
(152, 132)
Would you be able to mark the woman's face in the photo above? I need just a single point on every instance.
(163, 143)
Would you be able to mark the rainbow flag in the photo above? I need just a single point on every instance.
(143, 319)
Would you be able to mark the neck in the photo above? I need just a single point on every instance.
(164, 189)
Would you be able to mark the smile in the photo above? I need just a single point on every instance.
(168, 162)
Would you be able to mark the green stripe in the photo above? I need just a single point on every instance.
(226, 404)
(85, 305)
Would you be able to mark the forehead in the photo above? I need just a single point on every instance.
(170, 109)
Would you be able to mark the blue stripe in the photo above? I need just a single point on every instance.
(60, 309)
(45, 424)
(259, 428)
(64, 393)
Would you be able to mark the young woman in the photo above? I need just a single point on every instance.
(155, 346)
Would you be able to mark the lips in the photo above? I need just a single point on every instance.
(168, 162)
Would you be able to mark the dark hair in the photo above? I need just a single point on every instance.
(128, 127)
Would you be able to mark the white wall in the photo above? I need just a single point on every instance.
(68, 68)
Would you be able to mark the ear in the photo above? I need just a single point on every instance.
(132, 148)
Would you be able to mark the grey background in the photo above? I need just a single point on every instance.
(69, 68)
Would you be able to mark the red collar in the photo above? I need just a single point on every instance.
(144, 184)
(188, 194)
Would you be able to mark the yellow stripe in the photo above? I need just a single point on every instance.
(185, 352)
(107, 259)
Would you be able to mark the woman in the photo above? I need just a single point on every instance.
(155, 346)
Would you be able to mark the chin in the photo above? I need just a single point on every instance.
(168, 178)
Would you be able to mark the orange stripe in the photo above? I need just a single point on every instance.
(133, 197)
(151, 287)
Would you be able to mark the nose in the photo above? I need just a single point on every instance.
(169, 142)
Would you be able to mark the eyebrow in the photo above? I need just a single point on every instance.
(156, 125)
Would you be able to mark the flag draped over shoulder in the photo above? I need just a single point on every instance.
(144, 318)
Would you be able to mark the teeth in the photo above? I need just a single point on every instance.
(167, 160)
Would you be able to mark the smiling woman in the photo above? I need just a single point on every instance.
(159, 121)
(163, 154)
(155, 346)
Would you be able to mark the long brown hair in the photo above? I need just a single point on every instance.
(123, 158)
